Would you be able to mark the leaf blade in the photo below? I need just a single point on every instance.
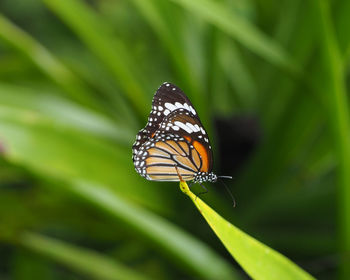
(85, 261)
(257, 259)
(241, 30)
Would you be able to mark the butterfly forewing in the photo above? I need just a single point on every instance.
(166, 99)
(174, 141)
(169, 98)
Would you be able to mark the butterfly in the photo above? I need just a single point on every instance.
(174, 144)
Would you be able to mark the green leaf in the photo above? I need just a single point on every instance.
(192, 255)
(190, 252)
(169, 35)
(47, 146)
(18, 102)
(341, 22)
(99, 37)
(46, 62)
(257, 259)
(236, 72)
(332, 86)
(241, 30)
(82, 260)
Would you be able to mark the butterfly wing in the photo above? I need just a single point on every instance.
(167, 98)
(180, 141)
(165, 160)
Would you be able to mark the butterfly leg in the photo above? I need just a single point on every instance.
(178, 173)
(190, 185)
(205, 191)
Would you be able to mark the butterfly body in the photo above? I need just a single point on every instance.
(174, 143)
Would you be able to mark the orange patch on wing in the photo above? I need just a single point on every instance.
(196, 159)
(204, 155)
(188, 138)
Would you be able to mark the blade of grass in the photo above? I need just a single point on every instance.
(99, 38)
(257, 259)
(237, 72)
(84, 261)
(36, 143)
(191, 253)
(152, 13)
(46, 62)
(172, 36)
(90, 69)
(334, 89)
(26, 266)
(241, 30)
(58, 111)
(277, 108)
(341, 22)
(284, 30)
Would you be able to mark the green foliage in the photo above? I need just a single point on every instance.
(76, 82)
(257, 259)
(79, 259)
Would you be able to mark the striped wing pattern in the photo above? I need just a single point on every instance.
(174, 141)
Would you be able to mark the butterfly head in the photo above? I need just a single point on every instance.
(205, 177)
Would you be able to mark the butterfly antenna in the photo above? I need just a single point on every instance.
(227, 189)
(225, 177)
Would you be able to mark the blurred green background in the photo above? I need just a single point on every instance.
(268, 79)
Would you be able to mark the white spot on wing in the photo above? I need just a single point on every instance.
(170, 106)
(187, 107)
(179, 105)
(166, 112)
(191, 126)
(183, 126)
(192, 110)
